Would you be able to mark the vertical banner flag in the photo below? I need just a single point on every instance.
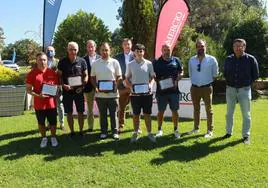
(14, 55)
(171, 20)
(51, 11)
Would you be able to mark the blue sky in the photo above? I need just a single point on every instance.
(23, 18)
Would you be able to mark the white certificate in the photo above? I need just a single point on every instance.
(75, 81)
(141, 88)
(49, 89)
(106, 85)
(166, 83)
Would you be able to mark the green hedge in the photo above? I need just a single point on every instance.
(9, 77)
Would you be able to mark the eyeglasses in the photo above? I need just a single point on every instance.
(199, 67)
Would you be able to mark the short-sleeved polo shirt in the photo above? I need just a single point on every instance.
(37, 78)
(167, 68)
(140, 73)
(106, 70)
(68, 68)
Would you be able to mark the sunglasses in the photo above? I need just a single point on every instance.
(199, 67)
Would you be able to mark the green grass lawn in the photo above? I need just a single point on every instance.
(191, 161)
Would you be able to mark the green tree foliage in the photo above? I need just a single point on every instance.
(26, 51)
(80, 27)
(253, 28)
(186, 48)
(138, 21)
(117, 38)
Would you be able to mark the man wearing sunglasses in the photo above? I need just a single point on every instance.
(203, 69)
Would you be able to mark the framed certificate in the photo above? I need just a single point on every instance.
(75, 81)
(141, 88)
(106, 85)
(166, 83)
(49, 89)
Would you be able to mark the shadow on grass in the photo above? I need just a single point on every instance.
(189, 153)
(18, 134)
(91, 146)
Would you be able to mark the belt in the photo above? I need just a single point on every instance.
(207, 85)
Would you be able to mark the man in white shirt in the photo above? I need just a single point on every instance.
(203, 69)
(105, 76)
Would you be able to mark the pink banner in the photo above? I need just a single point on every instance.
(171, 20)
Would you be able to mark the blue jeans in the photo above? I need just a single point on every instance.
(243, 96)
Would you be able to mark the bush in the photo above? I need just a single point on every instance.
(9, 77)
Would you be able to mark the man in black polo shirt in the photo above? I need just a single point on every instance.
(169, 71)
(240, 71)
(73, 73)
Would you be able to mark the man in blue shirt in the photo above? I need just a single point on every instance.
(203, 69)
(240, 71)
(169, 71)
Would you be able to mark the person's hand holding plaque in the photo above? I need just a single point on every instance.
(106, 86)
(166, 83)
(75, 81)
(141, 89)
(50, 90)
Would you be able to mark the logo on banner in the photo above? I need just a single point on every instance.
(176, 24)
(51, 2)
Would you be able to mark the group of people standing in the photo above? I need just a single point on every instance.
(113, 82)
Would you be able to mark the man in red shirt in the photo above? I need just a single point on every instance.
(41, 83)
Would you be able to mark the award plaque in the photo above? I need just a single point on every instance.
(50, 90)
(106, 85)
(141, 88)
(75, 81)
(166, 83)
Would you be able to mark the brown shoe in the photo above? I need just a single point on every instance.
(120, 130)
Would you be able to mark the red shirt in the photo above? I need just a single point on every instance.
(37, 78)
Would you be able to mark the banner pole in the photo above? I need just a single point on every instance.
(44, 25)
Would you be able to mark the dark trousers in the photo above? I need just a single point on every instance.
(110, 104)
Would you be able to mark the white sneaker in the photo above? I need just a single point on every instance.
(103, 136)
(194, 131)
(177, 134)
(139, 131)
(116, 136)
(209, 134)
(43, 143)
(159, 133)
(54, 141)
(134, 137)
(151, 137)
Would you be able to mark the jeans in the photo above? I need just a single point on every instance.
(110, 104)
(243, 96)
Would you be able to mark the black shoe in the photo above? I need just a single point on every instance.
(72, 134)
(81, 134)
(90, 130)
(246, 140)
(226, 136)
